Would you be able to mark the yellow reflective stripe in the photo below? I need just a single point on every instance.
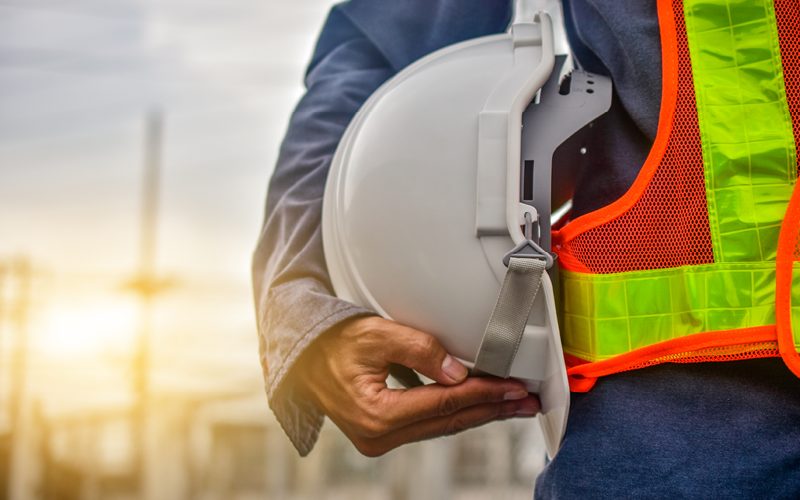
(748, 145)
(604, 315)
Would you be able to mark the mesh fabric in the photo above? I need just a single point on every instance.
(787, 14)
(724, 353)
(668, 226)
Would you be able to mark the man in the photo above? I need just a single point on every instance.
(691, 430)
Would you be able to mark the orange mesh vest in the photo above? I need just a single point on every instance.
(698, 261)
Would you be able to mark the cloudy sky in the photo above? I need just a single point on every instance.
(77, 78)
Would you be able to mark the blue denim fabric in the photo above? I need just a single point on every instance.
(705, 430)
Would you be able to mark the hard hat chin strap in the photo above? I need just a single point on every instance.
(507, 324)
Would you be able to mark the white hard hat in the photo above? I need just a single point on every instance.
(428, 192)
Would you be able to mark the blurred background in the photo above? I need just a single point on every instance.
(137, 138)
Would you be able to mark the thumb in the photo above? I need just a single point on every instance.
(422, 352)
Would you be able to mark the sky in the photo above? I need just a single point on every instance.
(77, 78)
(77, 81)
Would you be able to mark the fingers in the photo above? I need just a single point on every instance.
(344, 373)
(378, 410)
(459, 421)
(422, 352)
(406, 407)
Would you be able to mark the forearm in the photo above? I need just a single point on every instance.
(363, 44)
(294, 298)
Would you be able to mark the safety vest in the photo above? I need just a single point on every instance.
(699, 260)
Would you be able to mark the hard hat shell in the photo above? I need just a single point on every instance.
(408, 183)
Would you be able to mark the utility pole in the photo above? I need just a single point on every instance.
(16, 291)
(21, 272)
(147, 285)
(6, 436)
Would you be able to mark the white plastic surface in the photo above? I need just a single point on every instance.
(400, 210)
(524, 10)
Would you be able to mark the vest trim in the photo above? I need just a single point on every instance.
(743, 340)
(669, 99)
(756, 342)
(787, 303)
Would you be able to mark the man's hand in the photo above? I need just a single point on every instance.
(344, 373)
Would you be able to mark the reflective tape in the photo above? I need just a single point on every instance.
(750, 165)
(748, 145)
(604, 315)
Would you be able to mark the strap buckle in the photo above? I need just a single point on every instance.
(528, 249)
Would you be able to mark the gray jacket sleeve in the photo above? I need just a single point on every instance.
(293, 293)
(363, 43)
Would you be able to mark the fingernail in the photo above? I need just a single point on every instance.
(519, 394)
(454, 369)
(528, 409)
